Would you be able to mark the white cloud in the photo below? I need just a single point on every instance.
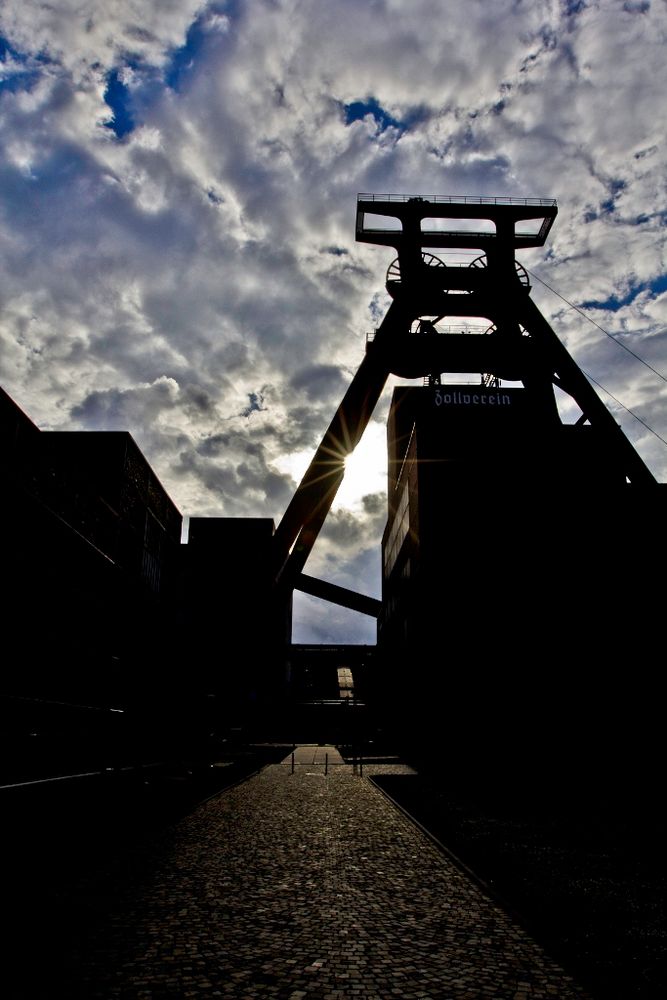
(98, 32)
(165, 280)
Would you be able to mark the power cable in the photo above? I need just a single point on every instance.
(606, 332)
(626, 408)
(620, 344)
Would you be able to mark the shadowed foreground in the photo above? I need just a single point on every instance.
(584, 868)
(296, 886)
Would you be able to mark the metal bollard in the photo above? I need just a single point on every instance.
(326, 763)
(292, 762)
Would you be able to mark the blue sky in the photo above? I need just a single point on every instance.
(177, 199)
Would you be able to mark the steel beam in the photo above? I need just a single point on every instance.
(568, 375)
(338, 595)
(305, 514)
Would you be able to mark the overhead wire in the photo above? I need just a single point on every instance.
(606, 332)
(620, 344)
(626, 408)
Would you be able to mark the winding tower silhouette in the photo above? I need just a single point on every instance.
(520, 345)
(502, 517)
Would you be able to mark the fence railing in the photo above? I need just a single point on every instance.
(356, 763)
(459, 199)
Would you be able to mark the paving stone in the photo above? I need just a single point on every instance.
(298, 885)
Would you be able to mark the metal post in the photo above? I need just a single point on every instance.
(292, 762)
(326, 763)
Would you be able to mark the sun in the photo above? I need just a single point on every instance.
(365, 468)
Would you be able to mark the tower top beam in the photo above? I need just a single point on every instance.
(447, 221)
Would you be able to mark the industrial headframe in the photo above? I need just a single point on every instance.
(519, 346)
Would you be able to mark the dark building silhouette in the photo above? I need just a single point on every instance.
(121, 643)
(521, 622)
(235, 635)
(91, 552)
(91, 556)
(328, 688)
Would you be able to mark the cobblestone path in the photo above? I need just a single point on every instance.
(306, 886)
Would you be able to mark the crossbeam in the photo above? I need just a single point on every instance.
(508, 220)
(338, 595)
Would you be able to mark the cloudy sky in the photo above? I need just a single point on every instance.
(178, 182)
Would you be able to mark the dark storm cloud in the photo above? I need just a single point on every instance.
(319, 381)
(120, 409)
(234, 476)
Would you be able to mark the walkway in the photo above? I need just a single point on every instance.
(306, 886)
